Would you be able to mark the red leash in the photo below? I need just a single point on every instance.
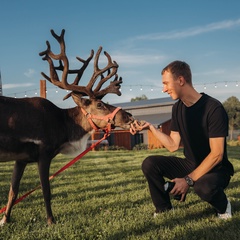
(62, 169)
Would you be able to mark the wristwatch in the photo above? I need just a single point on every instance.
(189, 181)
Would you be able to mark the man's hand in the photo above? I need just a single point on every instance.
(180, 188)
(138, 126)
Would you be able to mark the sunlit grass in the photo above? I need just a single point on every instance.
(105, 196)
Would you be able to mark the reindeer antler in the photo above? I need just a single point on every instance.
(105, 73)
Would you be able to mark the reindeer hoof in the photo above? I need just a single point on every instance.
(3, 221)
(50, 221)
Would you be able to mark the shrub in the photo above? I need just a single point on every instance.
(140, 146)
(233, 143)
(116, 148)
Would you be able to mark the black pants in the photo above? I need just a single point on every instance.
(210, 187)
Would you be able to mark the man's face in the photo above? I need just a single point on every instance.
(170, 85)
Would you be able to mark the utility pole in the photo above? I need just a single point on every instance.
(1, 91)
(43, 89)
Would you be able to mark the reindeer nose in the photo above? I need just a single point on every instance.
(131, 118)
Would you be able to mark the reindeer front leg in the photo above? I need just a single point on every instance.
(18, 171)
(43, 167)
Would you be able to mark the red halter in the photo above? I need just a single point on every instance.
(108, 118)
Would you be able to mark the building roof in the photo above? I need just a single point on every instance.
(155, 119)
(156, 111)
(146, 103)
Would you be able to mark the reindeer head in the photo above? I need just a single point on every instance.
(92, 105)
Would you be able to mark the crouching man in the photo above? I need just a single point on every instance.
(201, 124)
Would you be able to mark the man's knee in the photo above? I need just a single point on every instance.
(147, 165)
(152, 164)
(205, 190)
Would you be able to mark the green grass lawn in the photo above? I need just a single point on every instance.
(105, 196)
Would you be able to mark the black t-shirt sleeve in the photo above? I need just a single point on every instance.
(218, 123)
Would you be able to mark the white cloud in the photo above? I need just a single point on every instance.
(191, 31)
(29, 73)
(137, 59)
(211, 73)
(13, 85)
(123, 58)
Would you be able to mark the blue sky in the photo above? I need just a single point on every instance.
(141, 36)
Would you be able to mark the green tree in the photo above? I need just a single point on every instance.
(232, 107)
(142, 97)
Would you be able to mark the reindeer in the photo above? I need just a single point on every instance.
(36, 130)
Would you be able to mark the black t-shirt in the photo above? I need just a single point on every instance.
(196, 124)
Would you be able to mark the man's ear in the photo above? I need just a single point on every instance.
(182, 80)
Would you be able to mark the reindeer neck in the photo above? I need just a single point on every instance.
(79, 119)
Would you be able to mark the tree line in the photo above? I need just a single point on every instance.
(232, 107)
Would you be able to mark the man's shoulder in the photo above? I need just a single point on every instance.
(211, 100)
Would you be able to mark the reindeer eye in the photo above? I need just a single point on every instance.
(100, 105)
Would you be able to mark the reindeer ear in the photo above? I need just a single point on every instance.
(80, 101)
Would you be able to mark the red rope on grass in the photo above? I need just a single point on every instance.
(60, 170)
